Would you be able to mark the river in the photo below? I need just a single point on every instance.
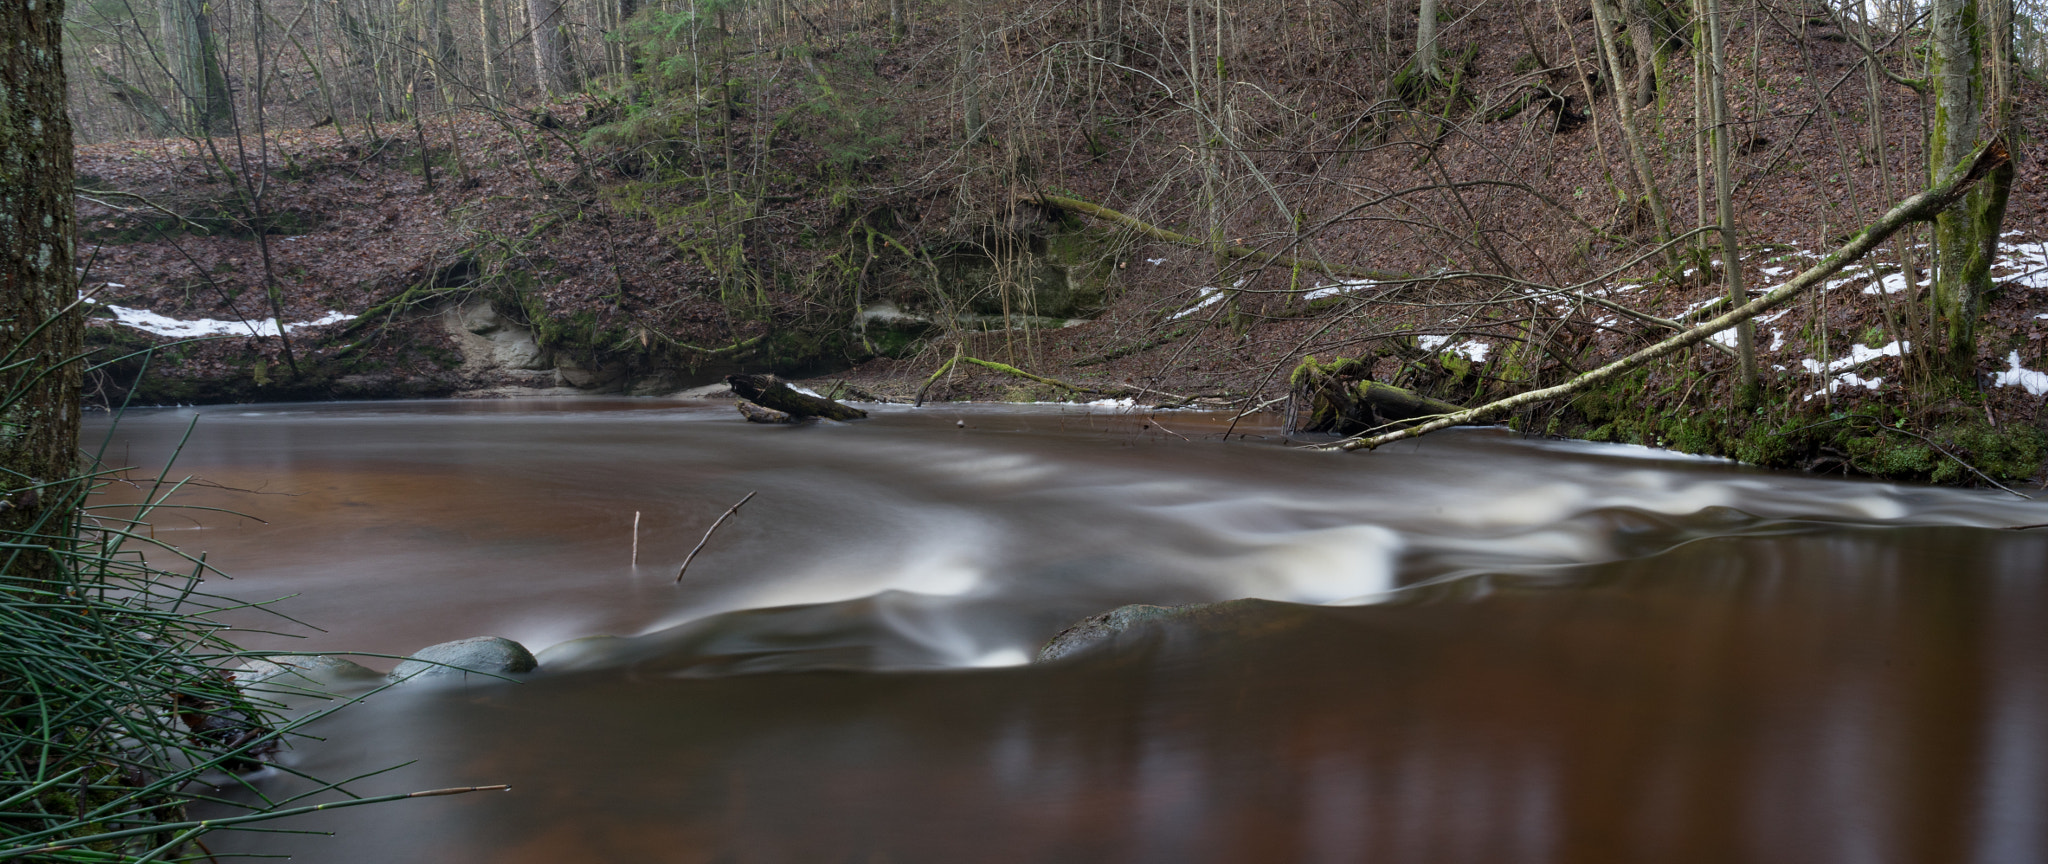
(1482, 648)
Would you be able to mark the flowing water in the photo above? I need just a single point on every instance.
(1481, 648)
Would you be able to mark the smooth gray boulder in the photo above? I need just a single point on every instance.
(490, 655)
(316, 671)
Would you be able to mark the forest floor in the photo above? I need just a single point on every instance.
(374, 230)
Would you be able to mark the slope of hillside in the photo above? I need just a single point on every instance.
(819, 207)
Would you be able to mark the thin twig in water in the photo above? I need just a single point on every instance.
(2025, 527)
(1162, 427)
(636, 538)
(707, 536)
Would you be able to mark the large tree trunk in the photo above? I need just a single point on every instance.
(41, 330)
(1965, 238)
(192, 56)
(551, 46)
(768, 391)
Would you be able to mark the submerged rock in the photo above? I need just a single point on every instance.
(491, 655)
(303, 670)
(1090, 632)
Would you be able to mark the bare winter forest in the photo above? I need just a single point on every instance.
(1166, 200)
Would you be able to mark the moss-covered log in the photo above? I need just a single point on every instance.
(771, 392)
(1341, 399)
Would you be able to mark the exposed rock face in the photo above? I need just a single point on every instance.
(491, 655)
(495, 349)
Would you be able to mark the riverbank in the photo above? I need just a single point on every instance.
(558, 247)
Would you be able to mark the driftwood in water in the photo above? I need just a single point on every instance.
(761, 414)
(1340, 399)
(768, 391)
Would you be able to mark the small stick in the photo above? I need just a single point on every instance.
(707, 536)
(636, 538)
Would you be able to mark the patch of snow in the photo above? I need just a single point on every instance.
(2032, 260)
(1846, 379)
(115, 285)
(2020, 376)
(1777, 340)
(1697, 307)
(1892, 283)
(1773, 272)
(1209, 297)
(1344, 287)
(1155, 261)
(161, 325)
(1473, 351)
(1726, 337)
(1858, 355)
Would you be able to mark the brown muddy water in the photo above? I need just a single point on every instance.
(1481, 648)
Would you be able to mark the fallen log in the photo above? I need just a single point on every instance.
(768, 391)
(1341, 399)
(1919, 208)
(762, 414)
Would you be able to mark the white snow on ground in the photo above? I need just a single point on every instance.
(2020, 376)
(161, 325)
(1892, 283)
(1773, 272)
(1473, 351)
(1345, 287)
(2031, 259)
(1846, 379)
(1155, 261)
(1209, 297)
(1858, 355)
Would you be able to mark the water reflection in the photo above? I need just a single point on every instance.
(1594, 658)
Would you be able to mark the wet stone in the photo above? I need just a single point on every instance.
(490, 655)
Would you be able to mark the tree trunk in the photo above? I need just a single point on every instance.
(191, 55)
(1966, 238)
(899, 19)
(1731, 255)
(551, 46)
(1425, 42)
(1625, 106)
(41, 330)
(494, 66)
(771, 392)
